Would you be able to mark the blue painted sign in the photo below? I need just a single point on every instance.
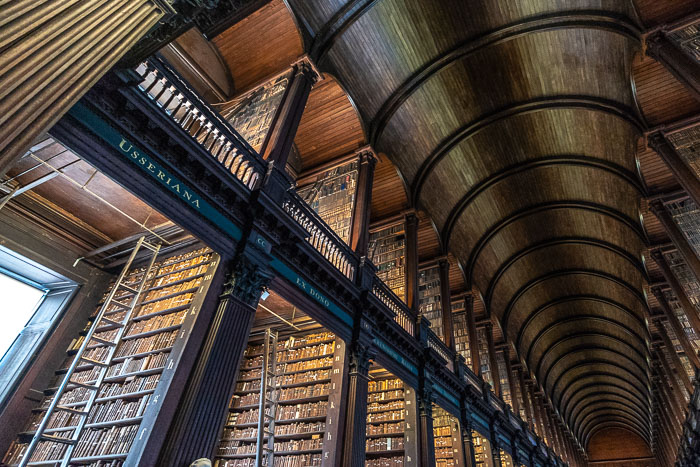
(387, 349)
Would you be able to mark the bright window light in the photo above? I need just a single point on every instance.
(19, 301)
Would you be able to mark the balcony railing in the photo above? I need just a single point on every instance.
(435, 343)
(402, 314)
(321, 237)
(180, 103)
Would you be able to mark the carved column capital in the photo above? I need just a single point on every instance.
(305, 67)
(655, 42)
(246, 280)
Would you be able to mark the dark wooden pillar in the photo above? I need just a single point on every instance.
(684, 174)
(495, 444)
(446, 303)
(685, 379)
(687, 306)
(525, 398)
(512, 383)
(471, 329)
(677, 327)
(359, 354)
(67, 47)
(194, 431)
(425, 418)
(681, 65)
(677, 237)
(411, 224)
(668, 400)
(467, 439)
(361, 211)
(493, 361)
(284, 127)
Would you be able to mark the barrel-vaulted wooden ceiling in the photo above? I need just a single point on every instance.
(515, 126)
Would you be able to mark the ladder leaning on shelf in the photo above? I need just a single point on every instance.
(269, 396)
(102, 320)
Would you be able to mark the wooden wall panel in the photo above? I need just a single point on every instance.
(388, 193)
(619, 447)
(264, 43)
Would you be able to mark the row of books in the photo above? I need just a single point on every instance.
(146, 344)
(118, 409)
(395, 415)
(306, 352)
(157, 322)
(135, 365)
(106, 441)
(385, 385)
(396, 461)
(386, 428)
(384, 406)
(280, 430)
(130, 386)
(385, 395)
(385, 418)
(384, 444)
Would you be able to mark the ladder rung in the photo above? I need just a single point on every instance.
(110, 321)
(103, 341)
(130, 289)
(71, 410)
(94, 362)
(119, 304)
(84, 385)
(58, 439)
(149, 246)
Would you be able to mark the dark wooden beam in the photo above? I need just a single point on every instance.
(446, 303)
(359, 234)
(683, 173)
(681, 65)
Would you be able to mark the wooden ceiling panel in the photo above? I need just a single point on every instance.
(262, 44)
(329, 127)
(428, 241)
(657, 12)
(388, 193)
(662, 98)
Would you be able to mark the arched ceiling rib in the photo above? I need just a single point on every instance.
(514, 127)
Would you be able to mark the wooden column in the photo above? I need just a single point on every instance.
(411, 225)
(445, 302)
(284, 127)
(471, 329)
(677, 327)
(669, 401)
(677, 237)
(361, 211)
(515, 403)
(525, 398)
(493, 361)
(425, 418)
(356, 407)
(51, 53)
(681, 65)
(495, 445)
(467, 439)
(683, 173)
(674, 356)
(195, 429)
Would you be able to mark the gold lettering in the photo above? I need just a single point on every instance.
(161, 175)
(150, 167)
(123, 143)
(176, 187)
(142, 161)
(196, 203)
(187, 195)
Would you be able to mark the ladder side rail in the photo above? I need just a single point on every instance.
(274, 398)
(110, 355)
(38, 434)
(259, 455)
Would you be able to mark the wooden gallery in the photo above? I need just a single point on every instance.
(350, 233)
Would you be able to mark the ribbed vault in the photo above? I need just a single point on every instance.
(514, 126)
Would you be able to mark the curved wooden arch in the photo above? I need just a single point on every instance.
(585, 409)
(571, 298)
(564, 272)
(606, 388)
(539, 207)
(583, 348)
(601, 405)
(585, 432)
(539, 335)
(615, 424)
(505, 33)
(603, 394)
(600, 364)
(530, 164)
(640, 394)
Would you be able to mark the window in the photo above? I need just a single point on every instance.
(20, 301)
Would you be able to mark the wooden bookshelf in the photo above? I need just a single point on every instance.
(482, 450)
(332, 196)
(387, 250)
(506, 459)
(139, 376)
(484, 360)
(459, 319)
(308, 403)
(429, 303)
(447, 439)
(391, 422)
